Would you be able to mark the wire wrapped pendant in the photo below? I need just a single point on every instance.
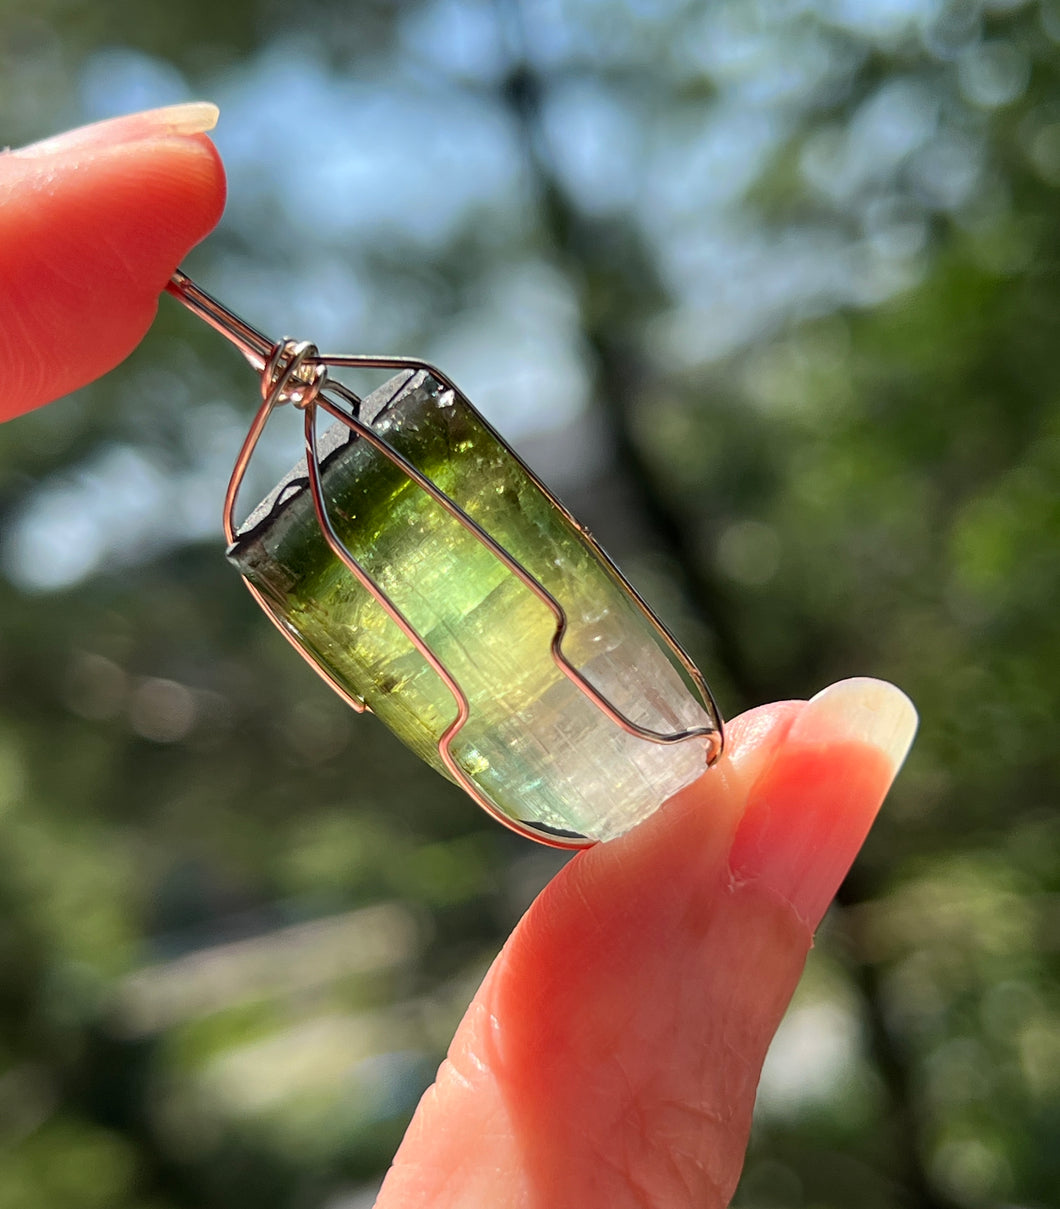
(430, 577)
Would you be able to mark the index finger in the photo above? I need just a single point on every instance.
(92, 224)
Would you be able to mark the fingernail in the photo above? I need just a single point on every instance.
(195, 117)
(809, 812)
(861, 710)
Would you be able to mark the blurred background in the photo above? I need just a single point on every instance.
(768, 290)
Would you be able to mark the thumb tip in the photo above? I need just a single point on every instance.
(809, 812)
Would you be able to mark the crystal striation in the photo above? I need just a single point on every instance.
(540, 750)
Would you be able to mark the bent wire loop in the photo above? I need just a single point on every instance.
(296, 373)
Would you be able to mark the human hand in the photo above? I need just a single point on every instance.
(611, 1056)
(92, 224)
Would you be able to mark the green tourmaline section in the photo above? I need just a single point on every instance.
(536, 746)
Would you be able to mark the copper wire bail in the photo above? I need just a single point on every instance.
(296, 373)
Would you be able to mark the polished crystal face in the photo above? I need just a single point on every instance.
(537, 748)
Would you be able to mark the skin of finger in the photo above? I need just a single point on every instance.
(612, 1054)
(88, 238)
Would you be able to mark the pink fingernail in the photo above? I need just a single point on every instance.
(860, 711)
(195, 117)
(810, 811)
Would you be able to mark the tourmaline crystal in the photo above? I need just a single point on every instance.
(540, 750)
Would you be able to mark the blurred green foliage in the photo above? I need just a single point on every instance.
(793, 268)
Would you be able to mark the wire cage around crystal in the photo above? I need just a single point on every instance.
(430, 577)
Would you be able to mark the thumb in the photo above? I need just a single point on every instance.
(612, 1055)
(92, 223)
